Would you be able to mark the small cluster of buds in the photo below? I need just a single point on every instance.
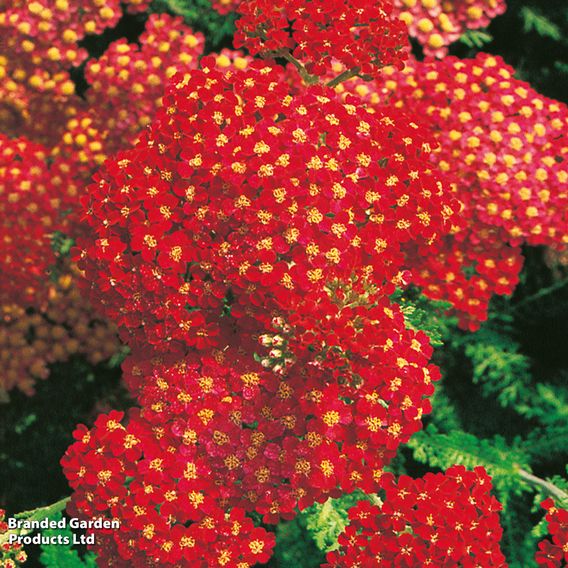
(279, 357)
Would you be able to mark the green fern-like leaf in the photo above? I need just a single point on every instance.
(501, 460)
(498, 366)
(426, 315)
(535, 21)
(325, 522)
(504, 373)
(476, 38)
(200, 16)
(545, 442)
(61, 555)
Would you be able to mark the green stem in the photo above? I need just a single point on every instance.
(549, 487)
(45, 511)
(541, 294)
(308, 79)
(345, 76)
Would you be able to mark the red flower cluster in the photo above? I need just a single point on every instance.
(243, 198)
(29, 203)
(223, 432)
(130, 79)
(126, 86)
(361, 35)
(248, 214)
(434, 23)
(29, 101)
(439, 520)
(11, 555)
(39, 185)
(254, 218)
(554, 554)
(40, 43)
(46, 32)
(34, 196)
(336, 408)
(437, 23)
(149, 476)
(506, 146)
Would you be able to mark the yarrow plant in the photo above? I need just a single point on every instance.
(32, 194)
(444, 519)
(362, 36)
(504, 145)
(256, 219)
(296, 234)
(290, 202)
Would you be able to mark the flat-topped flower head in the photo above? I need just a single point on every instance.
(322, 411)
(506, 146)
(443, 519)
(162, 493)
(361, 35)
(243, 197)
(30, 201)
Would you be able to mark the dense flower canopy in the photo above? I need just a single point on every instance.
(246, 220)
(248, 212)
(259, 197)
(62, 139)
